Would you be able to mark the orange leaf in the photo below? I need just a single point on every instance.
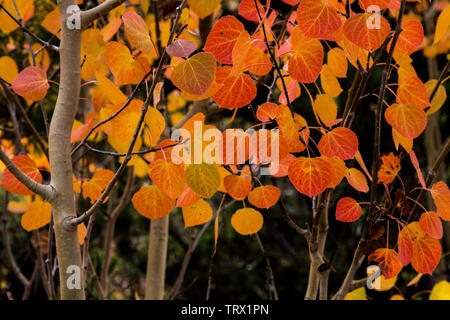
(348, 210)
(264, 197)
(408, 120)
(441, 197)
(237, 187)
(152, 203)
(168, 177)
(426, 254)
(406, 143)
(236, 92)
(311, 176)
(329, 82)
(247, 9)
(325, 108)
(249, 56)
(388, 262)
(356, 29)
(267, 111)
(203, 8)
(187, 198)
(431, 224)
(405, 243)
(306, 63)
(389, 168)
(197, 214)
(31, 83)
(318, 18)
(122, 64)
(411, 37)
(247, 221)
(196, 74)
(413, 91)
(93, 188)
(222, 38)
(357, 180)
(415, 163)
(81, 233)
(37, 215)
(137, 31)
(28, 166)
(340, 170)
(337, 62)
(339, 142)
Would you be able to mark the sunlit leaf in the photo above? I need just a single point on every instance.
(197, 214)
(441, 197)
(137, 31)
(28, 166)
(31, 83)
(408, 120)
(247, 221)
(264, 197)
(196, 74)
(348, 210)
(152, 203)
(431, 224)
(310, 176)
(340, 142)
(222, 38)
(37, 215)
(94, 187)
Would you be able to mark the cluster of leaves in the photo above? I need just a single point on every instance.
(226, 70)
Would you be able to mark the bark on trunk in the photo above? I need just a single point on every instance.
(67, 246)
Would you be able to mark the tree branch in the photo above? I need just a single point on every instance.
(89, 16)
(45, 191)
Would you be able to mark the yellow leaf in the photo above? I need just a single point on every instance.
(326, 108)
(247, 221)
(203, 8)
(37, 215)
(358, 294)
(441, 291)
(197, 214)
(8, 69)
(203, 179)
(329, 82)
(442, 25)
(439, 98)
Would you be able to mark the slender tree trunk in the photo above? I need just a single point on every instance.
(157, 255)
(66, 236)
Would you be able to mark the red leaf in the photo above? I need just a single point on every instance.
(310, 176)
(426, 254)
(431, 224)
(222, 38)
(28, 166)
(31, 83)
(388, 262)
(348, 210)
